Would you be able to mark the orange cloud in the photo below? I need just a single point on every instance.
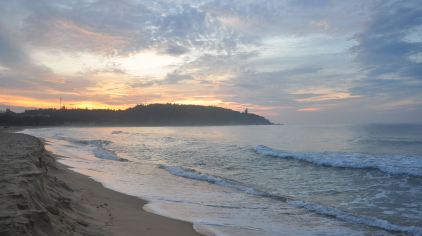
(69, 25)
(329, 96)
(308, 109)
(19, 101)
(24, 101)
(112, 95)
(99, 40)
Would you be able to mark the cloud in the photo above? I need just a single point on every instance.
(320, 94)
(275, 56)
(323, 24)
(308, 109)
(170, 79)
(69, 32)
(124, 27)
(174, 49)
(383, 47)
(11, 52)
(327, 97)
(385, 50)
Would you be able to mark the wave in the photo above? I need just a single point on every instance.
(184, 201)
(394, 164)
(196, 175)
(390, 142)
(83, 141)
(320, 209)
(98, 148)
(96, 142)
(117, 132)
(121, 132)
(223, 182)
(365, 220)
(218, 224)
(105, 154)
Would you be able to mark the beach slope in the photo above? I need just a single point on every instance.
(39, 196)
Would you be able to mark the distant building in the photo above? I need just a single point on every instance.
(246, 111)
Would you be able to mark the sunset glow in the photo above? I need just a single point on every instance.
(306, 109)
(117, 55)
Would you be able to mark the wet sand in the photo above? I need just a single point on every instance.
(39, 196)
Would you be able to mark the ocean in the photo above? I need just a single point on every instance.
(259, 180)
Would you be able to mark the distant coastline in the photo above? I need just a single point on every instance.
(140, 115)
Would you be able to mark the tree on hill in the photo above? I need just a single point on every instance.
(153, 114)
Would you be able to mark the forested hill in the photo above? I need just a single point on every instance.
(145, 115)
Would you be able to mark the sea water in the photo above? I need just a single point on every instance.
(259, 180)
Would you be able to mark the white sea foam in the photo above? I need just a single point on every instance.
(345, 216)
(320, 209)
(97, 142)
(105, 154)
(393, 164)
(98, 148)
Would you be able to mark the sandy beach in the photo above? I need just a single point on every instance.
(40, 196)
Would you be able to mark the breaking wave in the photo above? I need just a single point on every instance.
(394, 164)
(98, 148)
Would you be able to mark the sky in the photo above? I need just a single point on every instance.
(292, 61)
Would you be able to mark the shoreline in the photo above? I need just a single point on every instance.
(44, 197)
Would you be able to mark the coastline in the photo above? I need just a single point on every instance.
(43, 197)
